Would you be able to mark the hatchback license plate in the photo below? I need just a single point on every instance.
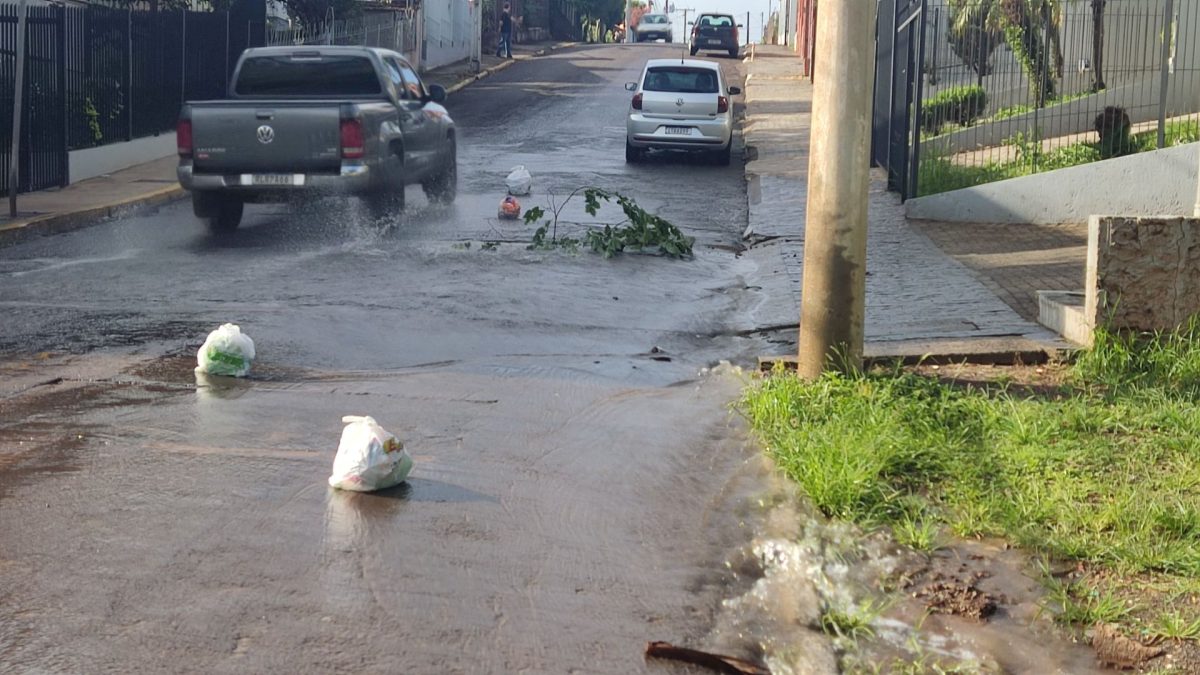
(679, 131)
(273, 179)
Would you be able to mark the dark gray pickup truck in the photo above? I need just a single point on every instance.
(299, 120)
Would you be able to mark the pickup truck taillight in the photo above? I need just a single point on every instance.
(183, 138)
(352, 139)
(722, 104)
(637, 101)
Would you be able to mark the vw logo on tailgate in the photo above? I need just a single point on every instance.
(265, 134)
(679, 102)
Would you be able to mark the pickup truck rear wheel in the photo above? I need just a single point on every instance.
(221, 214)
(443, 187)
(385, 203)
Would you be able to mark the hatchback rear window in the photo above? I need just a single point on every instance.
(654, 18)
(349, 76)
(681, 79)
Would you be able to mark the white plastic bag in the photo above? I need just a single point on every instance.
(519, 181)
(227, 351)
(368, 458)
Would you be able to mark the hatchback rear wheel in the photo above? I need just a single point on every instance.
(633, 155)
(722, 157)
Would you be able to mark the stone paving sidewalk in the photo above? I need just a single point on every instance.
(1014, 261)
(916, 294)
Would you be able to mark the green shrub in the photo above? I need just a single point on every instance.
(960, 105)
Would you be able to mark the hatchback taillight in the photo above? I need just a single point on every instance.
(722, 104)
(183, 138)
(637, 101)
(352, 139)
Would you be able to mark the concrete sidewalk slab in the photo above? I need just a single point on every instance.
(153, 183)
(918, 298)
(58, 210)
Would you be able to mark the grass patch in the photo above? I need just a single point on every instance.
(940, 174)
(1105, 471)
(852, 623)
(1083, 604)
(1174, 626)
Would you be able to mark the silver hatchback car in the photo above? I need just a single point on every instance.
(680, 104)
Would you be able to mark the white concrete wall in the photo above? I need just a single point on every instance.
(92, 162)
(1157, 183)
(447, 35)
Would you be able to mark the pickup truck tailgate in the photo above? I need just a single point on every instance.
(240, 137)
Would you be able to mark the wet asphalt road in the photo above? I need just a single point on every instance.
(579, 482)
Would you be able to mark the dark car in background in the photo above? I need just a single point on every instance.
(715, 33)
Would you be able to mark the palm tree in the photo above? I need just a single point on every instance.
(972, 36)
(1030, 27)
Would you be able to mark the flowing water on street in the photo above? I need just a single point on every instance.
(582, 484)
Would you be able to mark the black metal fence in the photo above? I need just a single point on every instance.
(970, 91)
(43, 149)
(97, 75)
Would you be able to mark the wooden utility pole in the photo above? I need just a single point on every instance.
(833, 301)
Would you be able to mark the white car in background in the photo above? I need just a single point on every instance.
(680, 104)
(653, 27)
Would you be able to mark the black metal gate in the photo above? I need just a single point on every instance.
(43, 122)
(896, 123)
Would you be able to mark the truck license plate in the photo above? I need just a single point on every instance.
(273, 179)
(714, 42)
(679, 131)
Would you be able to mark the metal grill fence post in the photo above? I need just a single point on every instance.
(1164, 68)
(183, 61)
(914, 172)
(14, 163)
(937, 24)
(1034, 142)
(129, 74)
(64, 148)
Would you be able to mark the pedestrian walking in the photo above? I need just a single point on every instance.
(504, 50)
